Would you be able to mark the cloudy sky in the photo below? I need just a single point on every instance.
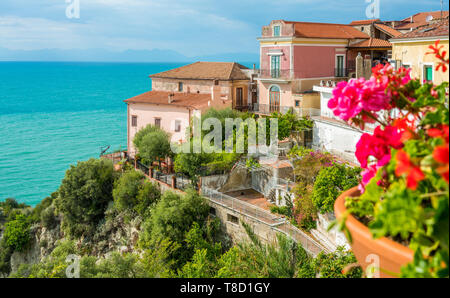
(191, 27)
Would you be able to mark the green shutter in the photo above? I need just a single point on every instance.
(429, 73)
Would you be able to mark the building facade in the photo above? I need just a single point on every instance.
(295, 56)
(410, 50)
(179, 95)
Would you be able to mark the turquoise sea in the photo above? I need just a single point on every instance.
(55, 114)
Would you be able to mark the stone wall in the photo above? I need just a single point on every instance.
(239, 179)
(236, 230)
(214, 182)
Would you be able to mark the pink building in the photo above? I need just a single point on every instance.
(295, 56)
(180, 94)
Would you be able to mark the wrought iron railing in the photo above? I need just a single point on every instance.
(275, 222)
(341, 72)
(275, 73)
(267, 109)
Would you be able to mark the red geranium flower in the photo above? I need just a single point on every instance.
(441, 153)
(405, 166)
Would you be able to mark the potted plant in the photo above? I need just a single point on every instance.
(398, 218)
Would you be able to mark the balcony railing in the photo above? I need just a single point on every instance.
(275, 73)
(285, 74)
(341, 72)
(266, 109)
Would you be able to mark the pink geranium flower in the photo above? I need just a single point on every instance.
(346, 103)
(352, 97)
(378, 146)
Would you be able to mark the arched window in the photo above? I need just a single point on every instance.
(274, 99)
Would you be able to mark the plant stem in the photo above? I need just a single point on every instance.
(434, 194)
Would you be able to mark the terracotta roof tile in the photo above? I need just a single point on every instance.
(372, 43)
(420, 19)
(437, 28)
(222, 71)
(187, 100)
(326, 30)
(364, 22)
(389, 30)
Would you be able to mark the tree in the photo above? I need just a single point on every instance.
(126, 190)
(17, 233)
(155, 146)
(148, 195)
(331, 182)
(84, 195)
(174, 215)
(171, 219)
(143, 132)
(332, 265)
(288, 123)
(190, 163)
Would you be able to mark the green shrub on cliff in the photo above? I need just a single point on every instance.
(171, 219)
(126, 190)
(17, 233)
(133, 192)
(84, 195)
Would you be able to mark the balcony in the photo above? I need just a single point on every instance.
(281, 74)
(341, 72)
(288, 74)
(266, 109)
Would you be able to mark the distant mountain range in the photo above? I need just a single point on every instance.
(98, 55)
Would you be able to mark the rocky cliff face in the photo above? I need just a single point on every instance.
(43, 242)
(119, 232)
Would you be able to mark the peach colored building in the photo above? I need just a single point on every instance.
(235, 81)
(410, 50)
(180, 94)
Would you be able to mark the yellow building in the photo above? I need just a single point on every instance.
(410, 50)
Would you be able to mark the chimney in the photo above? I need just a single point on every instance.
(171, 96)
(412, 20)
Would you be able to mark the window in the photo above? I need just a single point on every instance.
(428, 73)
(239, 97)
(275, 66)
(297, 103)
(180, 87)
(276, 31)
(133, 121)
(177, 126)
(362, 29)
(274, 99)
(340, 66)
(158, 122)
(232, 219)
(212, 211)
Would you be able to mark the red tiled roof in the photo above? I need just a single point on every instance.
(389, 30)
(420, 19)
(364, 22)
(222, 71)
(372, 43)
(186, 100)
(326, 30)
(435, 29)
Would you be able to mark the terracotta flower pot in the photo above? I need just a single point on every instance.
(391, 255)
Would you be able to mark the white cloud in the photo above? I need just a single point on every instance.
(193, 27)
